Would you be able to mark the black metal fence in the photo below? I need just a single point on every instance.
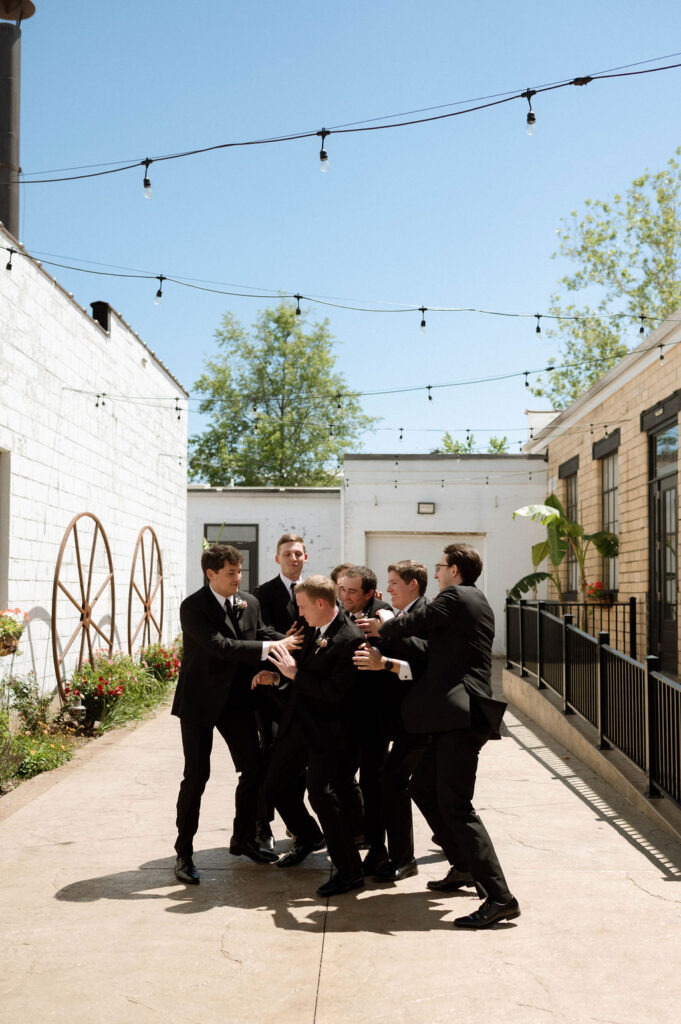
(633, 706)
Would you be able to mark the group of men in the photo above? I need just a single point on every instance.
(322, 689)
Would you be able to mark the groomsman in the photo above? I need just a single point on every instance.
(224, 641)
(405, 659)
(360, 602)
(453, 702)
(277, 596)
(324, 708)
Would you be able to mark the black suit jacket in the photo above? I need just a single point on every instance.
(372, 606)
(276, 605)
(455, 689)
(411, 649)
(216, 661)
(324, 692)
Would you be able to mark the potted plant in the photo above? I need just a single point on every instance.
(12, 623)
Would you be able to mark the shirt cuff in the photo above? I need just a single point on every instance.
(265, 650)
(405, 670)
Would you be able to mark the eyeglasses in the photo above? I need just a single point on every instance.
(441, 565)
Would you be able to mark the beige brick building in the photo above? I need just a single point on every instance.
(613, 461)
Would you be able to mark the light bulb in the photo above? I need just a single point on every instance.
(147, 188)
(159, 296)
(531, 123)
(323, 161)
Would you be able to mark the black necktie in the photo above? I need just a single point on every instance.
(231, 612)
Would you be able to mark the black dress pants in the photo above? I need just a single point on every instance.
(237, 727)
(405, 754)
(284, 786)
(442, 788)
(330, 787)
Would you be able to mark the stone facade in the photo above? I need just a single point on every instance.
(641, 381)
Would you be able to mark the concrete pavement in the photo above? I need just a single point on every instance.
(95, 928)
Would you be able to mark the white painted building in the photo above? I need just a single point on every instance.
(390, 507)
(64, 450)
(254, 519)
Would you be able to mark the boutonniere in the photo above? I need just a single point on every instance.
(320, 642)
(239, 605)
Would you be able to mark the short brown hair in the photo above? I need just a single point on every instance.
(290, 538)
(467, 560)
(318, 586)
(340, 570)
(216, 555)
(366, 575)
(409, 570)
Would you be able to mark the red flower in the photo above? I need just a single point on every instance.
(100, 688)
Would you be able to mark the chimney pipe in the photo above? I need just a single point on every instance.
(10, 90)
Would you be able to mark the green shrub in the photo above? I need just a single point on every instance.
(41, 754)
(162, 660)
(31, 705)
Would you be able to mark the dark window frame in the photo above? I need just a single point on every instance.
(252, 546)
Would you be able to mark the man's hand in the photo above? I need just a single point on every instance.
(294, 638)
(283, 659)
(369, 627)
(265, 678)
(367, 658)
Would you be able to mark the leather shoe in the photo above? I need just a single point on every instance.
(396, 872)
(374, 861)
(490, 912)
(265, 840)
(253, 851)
(453, 880)
(337, 885)
(185, 871)
(296, 855)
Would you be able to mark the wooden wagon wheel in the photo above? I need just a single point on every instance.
(83, 602)
(146, 581)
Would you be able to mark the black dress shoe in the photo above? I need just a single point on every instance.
(453, 880)
(263, 836)
(337, 885)
(396, 872)
(253, 851)
(296, 855)
(374, 861)
(489, 913)
(185, 871)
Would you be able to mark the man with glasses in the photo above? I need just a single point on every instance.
(453, 702)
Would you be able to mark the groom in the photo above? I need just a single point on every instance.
(224, 642)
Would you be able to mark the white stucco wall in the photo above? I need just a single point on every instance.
(474, 496)
(312, 512)
(60, 455)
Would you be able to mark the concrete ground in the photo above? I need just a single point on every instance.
(94, 927)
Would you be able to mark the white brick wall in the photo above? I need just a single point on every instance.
(125, 461)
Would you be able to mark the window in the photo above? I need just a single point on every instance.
(610, 515)
(571, 513)
(245, 539)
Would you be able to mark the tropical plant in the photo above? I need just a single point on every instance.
(562, 535)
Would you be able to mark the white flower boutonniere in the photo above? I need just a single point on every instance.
(320, 642)
(239, 605)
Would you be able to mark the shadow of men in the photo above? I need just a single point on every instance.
(287, 895)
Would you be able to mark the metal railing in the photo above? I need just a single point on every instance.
(632, 705)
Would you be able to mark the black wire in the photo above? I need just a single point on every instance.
(579, 81)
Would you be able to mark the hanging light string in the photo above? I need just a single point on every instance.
(362, 126)
(356, 307)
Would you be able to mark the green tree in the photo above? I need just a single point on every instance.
(628, 252)
(279, 414)
(448, 446)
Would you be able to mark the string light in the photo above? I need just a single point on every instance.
(485, 103)
(641, 329)
(9, 261)
(430, 397)
(422, 310)
(530, 120)
(526, 374)
(538, 327)
(661, 353)
(177, 407)
(323, 155)
(298, 312)
(146, 184)
(159, 294)
(401, 438)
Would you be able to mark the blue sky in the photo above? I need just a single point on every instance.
(461, 212)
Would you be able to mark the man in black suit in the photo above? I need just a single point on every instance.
(453, 702)
(323, 707)
(359, 593)
(400, 662)
(224, 641)
(277, 596)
